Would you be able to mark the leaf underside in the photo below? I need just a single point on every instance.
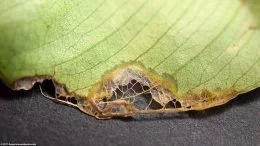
(123, 57)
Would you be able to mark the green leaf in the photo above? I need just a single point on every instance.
(123, 57)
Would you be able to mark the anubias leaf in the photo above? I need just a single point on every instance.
(125, 57)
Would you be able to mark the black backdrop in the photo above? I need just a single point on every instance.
(28, 117)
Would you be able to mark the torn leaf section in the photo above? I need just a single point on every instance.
(130, 90)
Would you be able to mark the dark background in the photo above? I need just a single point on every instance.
(28, 117)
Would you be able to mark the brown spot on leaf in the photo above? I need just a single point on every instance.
(131, 90)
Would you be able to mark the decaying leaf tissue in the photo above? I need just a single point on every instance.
(123, 58)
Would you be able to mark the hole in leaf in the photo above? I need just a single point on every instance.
(173, 104)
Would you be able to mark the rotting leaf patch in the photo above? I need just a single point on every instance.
(130, 90)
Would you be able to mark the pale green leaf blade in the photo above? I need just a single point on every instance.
(203, 52)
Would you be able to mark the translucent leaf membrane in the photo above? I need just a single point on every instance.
(131, 90)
